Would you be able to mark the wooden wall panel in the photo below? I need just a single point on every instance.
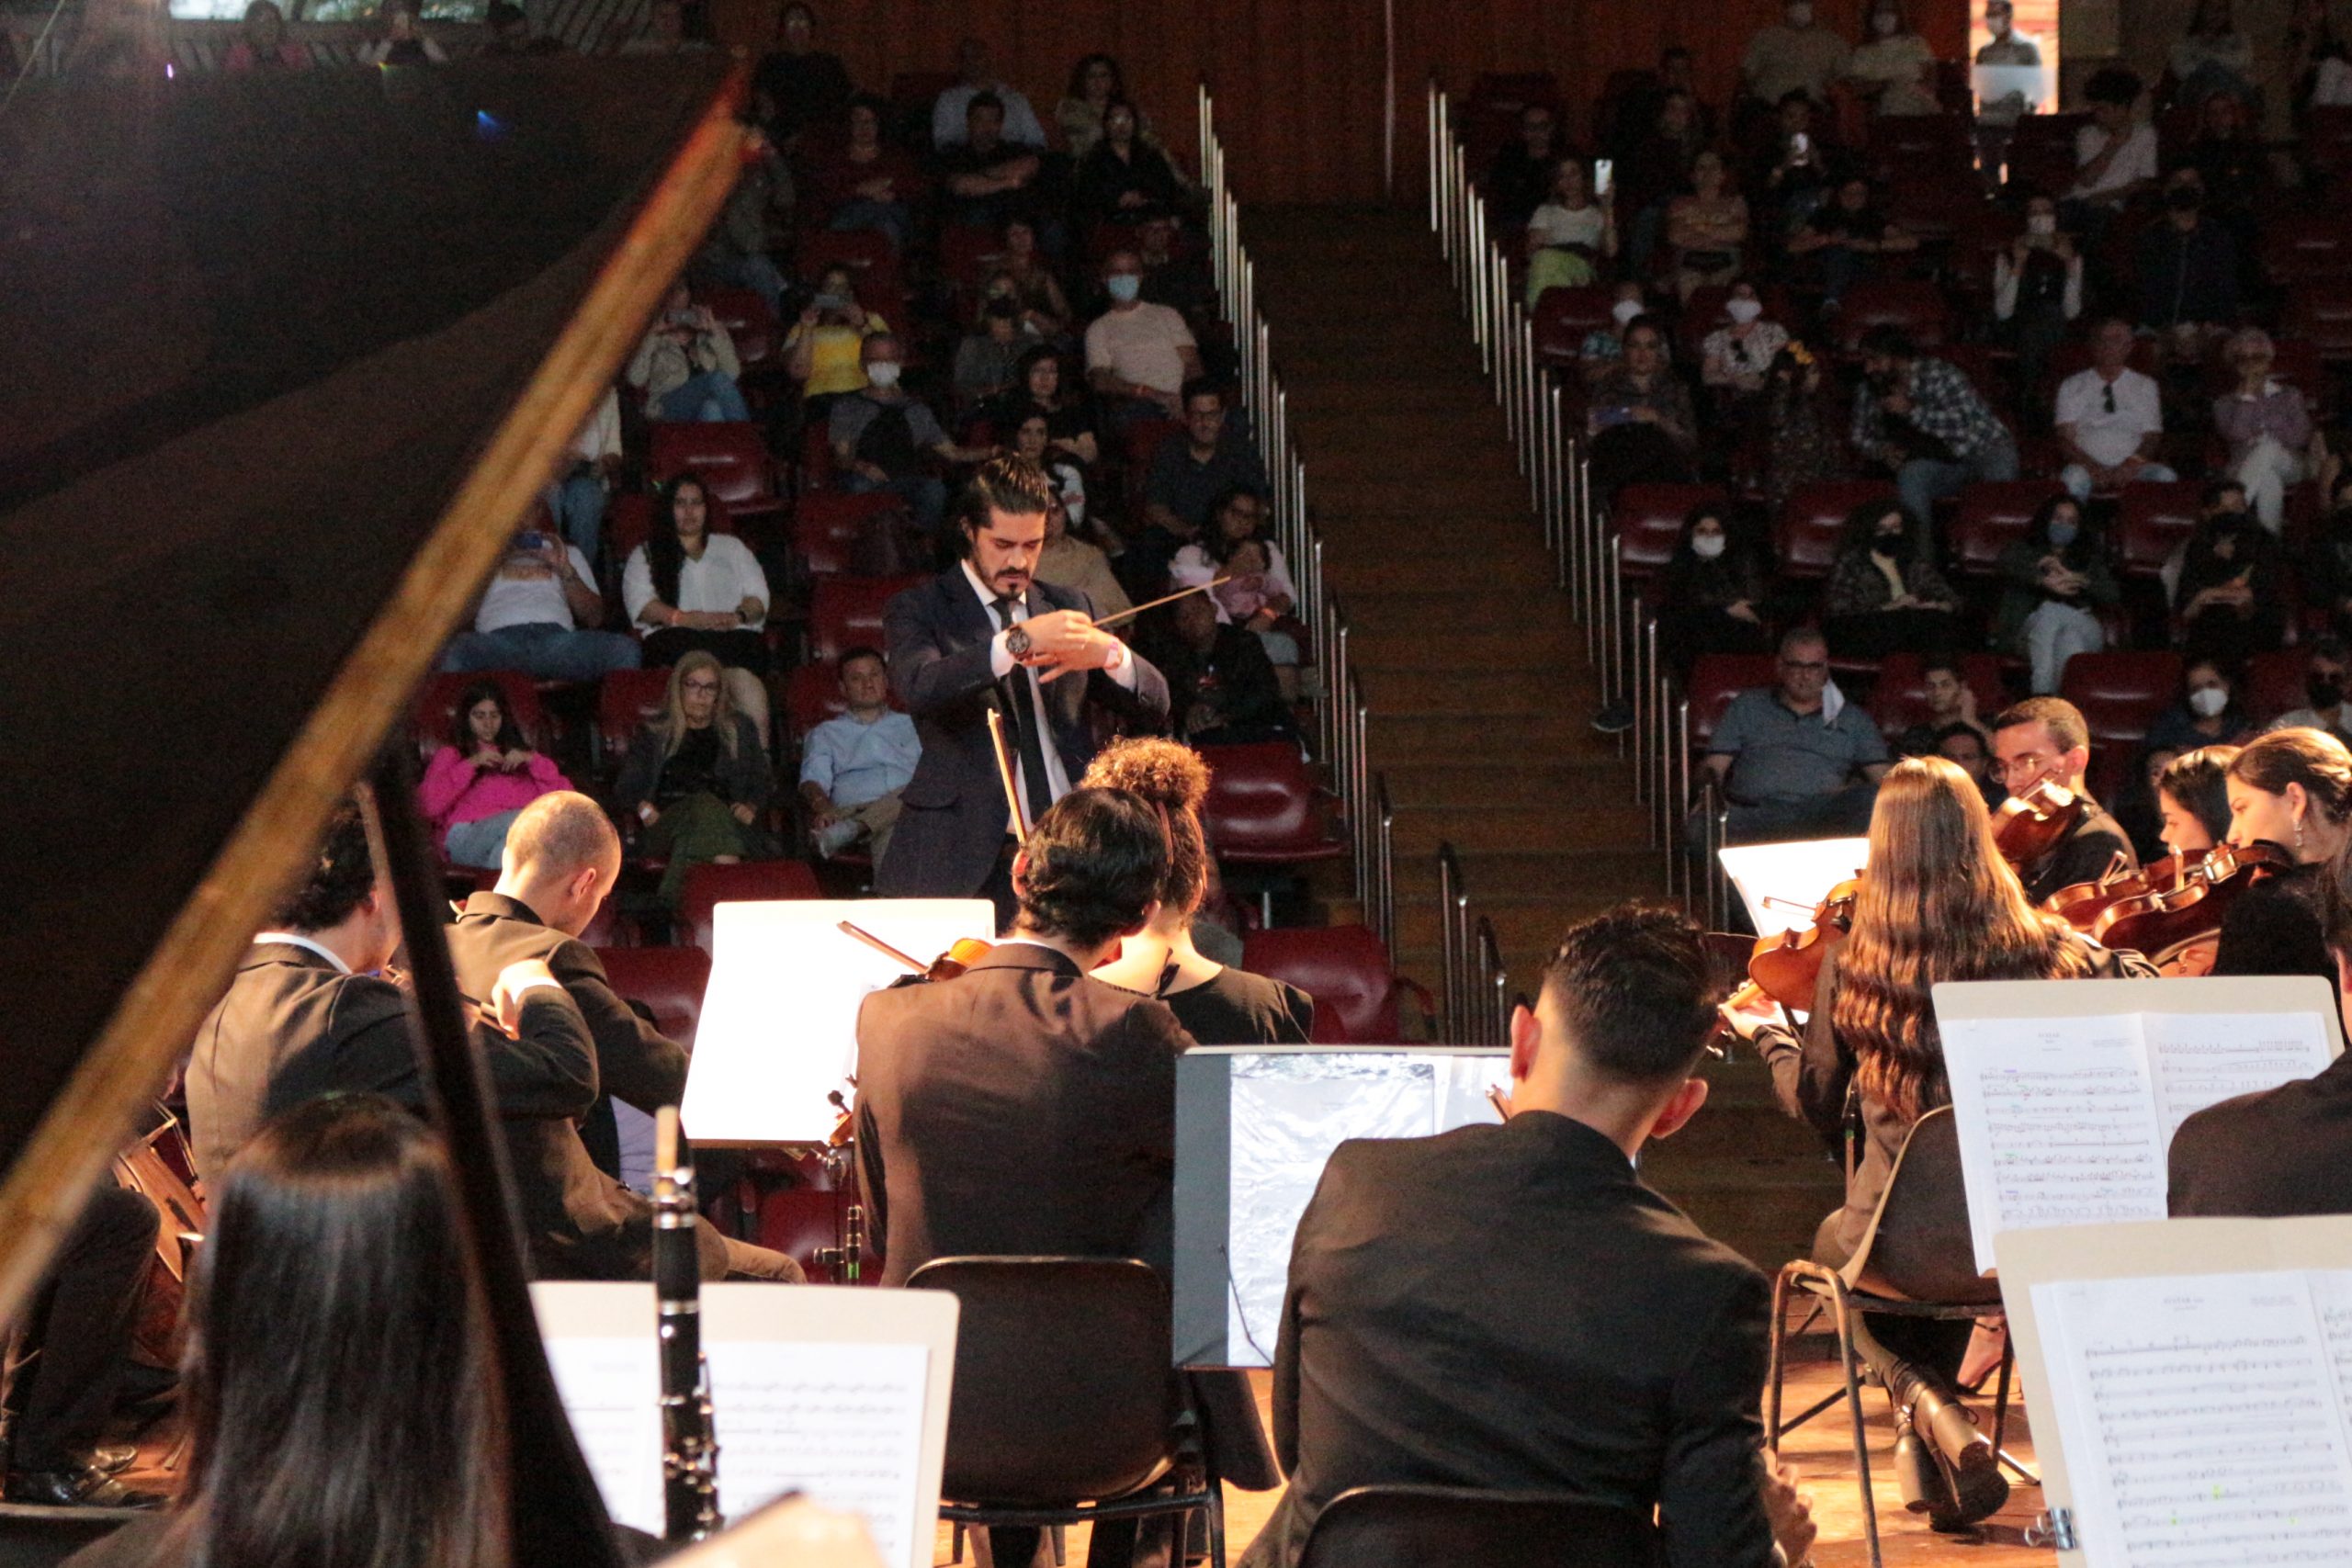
(1299, 82)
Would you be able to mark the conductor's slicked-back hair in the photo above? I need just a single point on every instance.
(1095, 862)
(342, 874)
(1014, 485)
(1637, 988)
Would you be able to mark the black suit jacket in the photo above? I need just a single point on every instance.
(1021, 1109)
(2283, 1151)
(292, 1027)
(1509, 1307)
(952, 824)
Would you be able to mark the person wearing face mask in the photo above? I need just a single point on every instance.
(881, 435)
(2186, 273)
(1893, 66)
(2037, 294)
(1138, 356)
(822, 351)
(1711, 594)
(2229, 602)
(2054, 581)
(1603, 347)
(2324, 663)
(1884, 595)
(2206, 713)
(1739, 357)
(1792, 55)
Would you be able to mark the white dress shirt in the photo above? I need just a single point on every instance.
(1121, 668)
(727, 574)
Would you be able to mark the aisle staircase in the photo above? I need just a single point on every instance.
(1481, 697)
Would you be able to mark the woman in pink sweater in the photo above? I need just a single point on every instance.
(476, 784)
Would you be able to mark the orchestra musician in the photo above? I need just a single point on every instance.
(2045, 738)
(2193, 803)
(1936, 902)
(986, 634)
(1025, 1107)
(1218, 1004)
(2291, 788)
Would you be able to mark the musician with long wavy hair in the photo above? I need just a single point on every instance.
(1937, 903)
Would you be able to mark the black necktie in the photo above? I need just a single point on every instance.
(1015, 693)
(2109, 390)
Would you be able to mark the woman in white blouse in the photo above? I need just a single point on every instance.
(689, 588)
(1257, 591)
(1570, 235)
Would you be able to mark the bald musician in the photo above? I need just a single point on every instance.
(2045, 738)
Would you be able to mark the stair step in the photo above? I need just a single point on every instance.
(1615, 825)
(1496, 694)
(1442, 737)
(1500, 773)
(1498, 874)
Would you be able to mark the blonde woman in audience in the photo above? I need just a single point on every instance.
(697, 778)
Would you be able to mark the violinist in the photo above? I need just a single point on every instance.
(1936, 902)
(2193, 802)
(2291, 788)
(2045, 738)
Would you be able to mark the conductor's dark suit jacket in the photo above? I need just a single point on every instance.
(953, 821)
(1021, 1109)
(1509, 1308)
(2283, 1151)
(292, 1027)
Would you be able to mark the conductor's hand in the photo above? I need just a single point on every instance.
(1789, 1510)
(506, 996)
(1061, 641)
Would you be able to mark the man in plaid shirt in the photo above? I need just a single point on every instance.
(1922, 419)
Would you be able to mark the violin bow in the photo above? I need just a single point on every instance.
(1004, 774)
(878, 945)
(1163, 599)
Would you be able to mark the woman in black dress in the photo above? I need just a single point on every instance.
(1217, 1005)
(2292, 789)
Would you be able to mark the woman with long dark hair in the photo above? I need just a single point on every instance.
(696, 777)
(2290, 789)
(1124, 178)
(1883, 596)
(690, 588)
(1937, 903)
(1040, 384)
(478, 783)
(1713, 592)
(343, 1405)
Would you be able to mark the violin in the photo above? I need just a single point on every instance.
(2167, 919)
(2030, 826)
(961, 955)
(2082, 904)
(1787, 967)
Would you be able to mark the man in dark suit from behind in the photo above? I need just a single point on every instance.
(1509, 1308)
(1025, 1107)
(986, 634)
(561, 859)
(2282, 1151)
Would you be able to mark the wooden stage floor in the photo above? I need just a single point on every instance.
(1823, 1452)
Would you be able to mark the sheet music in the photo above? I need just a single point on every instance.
(840, 1422)
(611, 1389)
(2201, 1059)
(2057, 1122)
(2201, 1415)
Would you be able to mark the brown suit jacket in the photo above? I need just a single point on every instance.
(1021, 1109)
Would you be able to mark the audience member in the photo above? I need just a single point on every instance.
(1707, 228)
(1793, 170)
(1193, 467)
(262, 43)
(1604, 347)
(1094, 82)
(1884, 594)
(853, 766)
(825, 350)
(989, 356)
(2327, 581)
(405, 41)
(883, 439)
(2109, 419)
(1068, 561)
(1951, 704)
(1894, 67)
(2115, 155)
(734, 252)
(665, 33)
(2325, 661)
(1178, 276)
(1123, 178)
(689, 589)
(1570, 236)
(687, 366)
(1797, 55)
(511, 36)
(2211, 57)
(2228, 599)
(1964, 746)
(1788, 756)
(2187, 272)
(1998, 113)
(1738, 359)
(2206, 712)
(480, 781)
(2312, 46)
(696, 777)
(1222, 686)
(1525, 170)
(1922, 418)
(1039, 293)
(541, 613)
(2265, 421)
(1216, 1004)
(990, 178)
(1253, 589)
(798, 86)
(1638, 105)
(2037, 292)
(1711, 595)
(2193, 798)
(1846, 236)
(1654, 171)
(1559, 1378)
(1038, 389)
(1803, 444)
(864, 182)
(589, 472)
(1136, 351)
(2231, 160)
(1644, 428)
(2138, 809)
(2054, 581)
(950, 124)
(1033, 439)
(2044, 739)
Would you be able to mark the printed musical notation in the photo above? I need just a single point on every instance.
(609, 1388)
(842, 1423)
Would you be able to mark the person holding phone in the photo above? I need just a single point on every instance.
(478, 784)
(2228, 603)
(821, 351)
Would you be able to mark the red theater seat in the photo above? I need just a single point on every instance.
(749, 322)
(435, 713)
(827, 526)
(2321, 311)
(1805, 536)
(1347, 972)
(2121, 693)
(670, 980)
(845, 612)
(1564, 317)
(2273, 684)
(731, 457)
(1915, 306)
(751, 881)
(1264, 808)
(1648, 520)
(626, 701)
(1715, 680)
(1991, 517)
(2151, 522)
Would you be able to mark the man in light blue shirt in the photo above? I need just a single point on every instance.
(853, 767)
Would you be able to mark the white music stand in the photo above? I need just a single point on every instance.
(1781, 883)
(779, 1018)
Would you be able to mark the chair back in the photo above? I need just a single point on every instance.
(1918, 1246)
(1261, 803)
(1439, 1527)
(731, 457)
(1063, 1392)
(1992, 516)
(2152, 521)
(1564, 317)
(1346, 969)
(1715, 680)
(35, 1536)
(846, 612)
(752, 881)
(2121, 691)
(436, 707)
(1648, 521)
(2273, 684)
(1813, 518)
(626, 701)
(670, 980)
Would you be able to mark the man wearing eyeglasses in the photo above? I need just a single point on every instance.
(1795, 758)
(2110, 418)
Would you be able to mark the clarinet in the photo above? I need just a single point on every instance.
(689, 1443)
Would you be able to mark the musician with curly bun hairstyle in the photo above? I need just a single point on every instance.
(1218, 1005)
(1937, 903)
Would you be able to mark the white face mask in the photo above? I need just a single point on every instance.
(883, 373)
(2043, 224)
(2206, 701)
(1626, 310)
(1743, 310)
(1884, 24)
(1800, 15)
(1707, 547)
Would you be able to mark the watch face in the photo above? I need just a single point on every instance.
(1016, 642)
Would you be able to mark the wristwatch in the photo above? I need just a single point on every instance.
(1016, 642)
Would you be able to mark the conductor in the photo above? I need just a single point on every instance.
(985, 634)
